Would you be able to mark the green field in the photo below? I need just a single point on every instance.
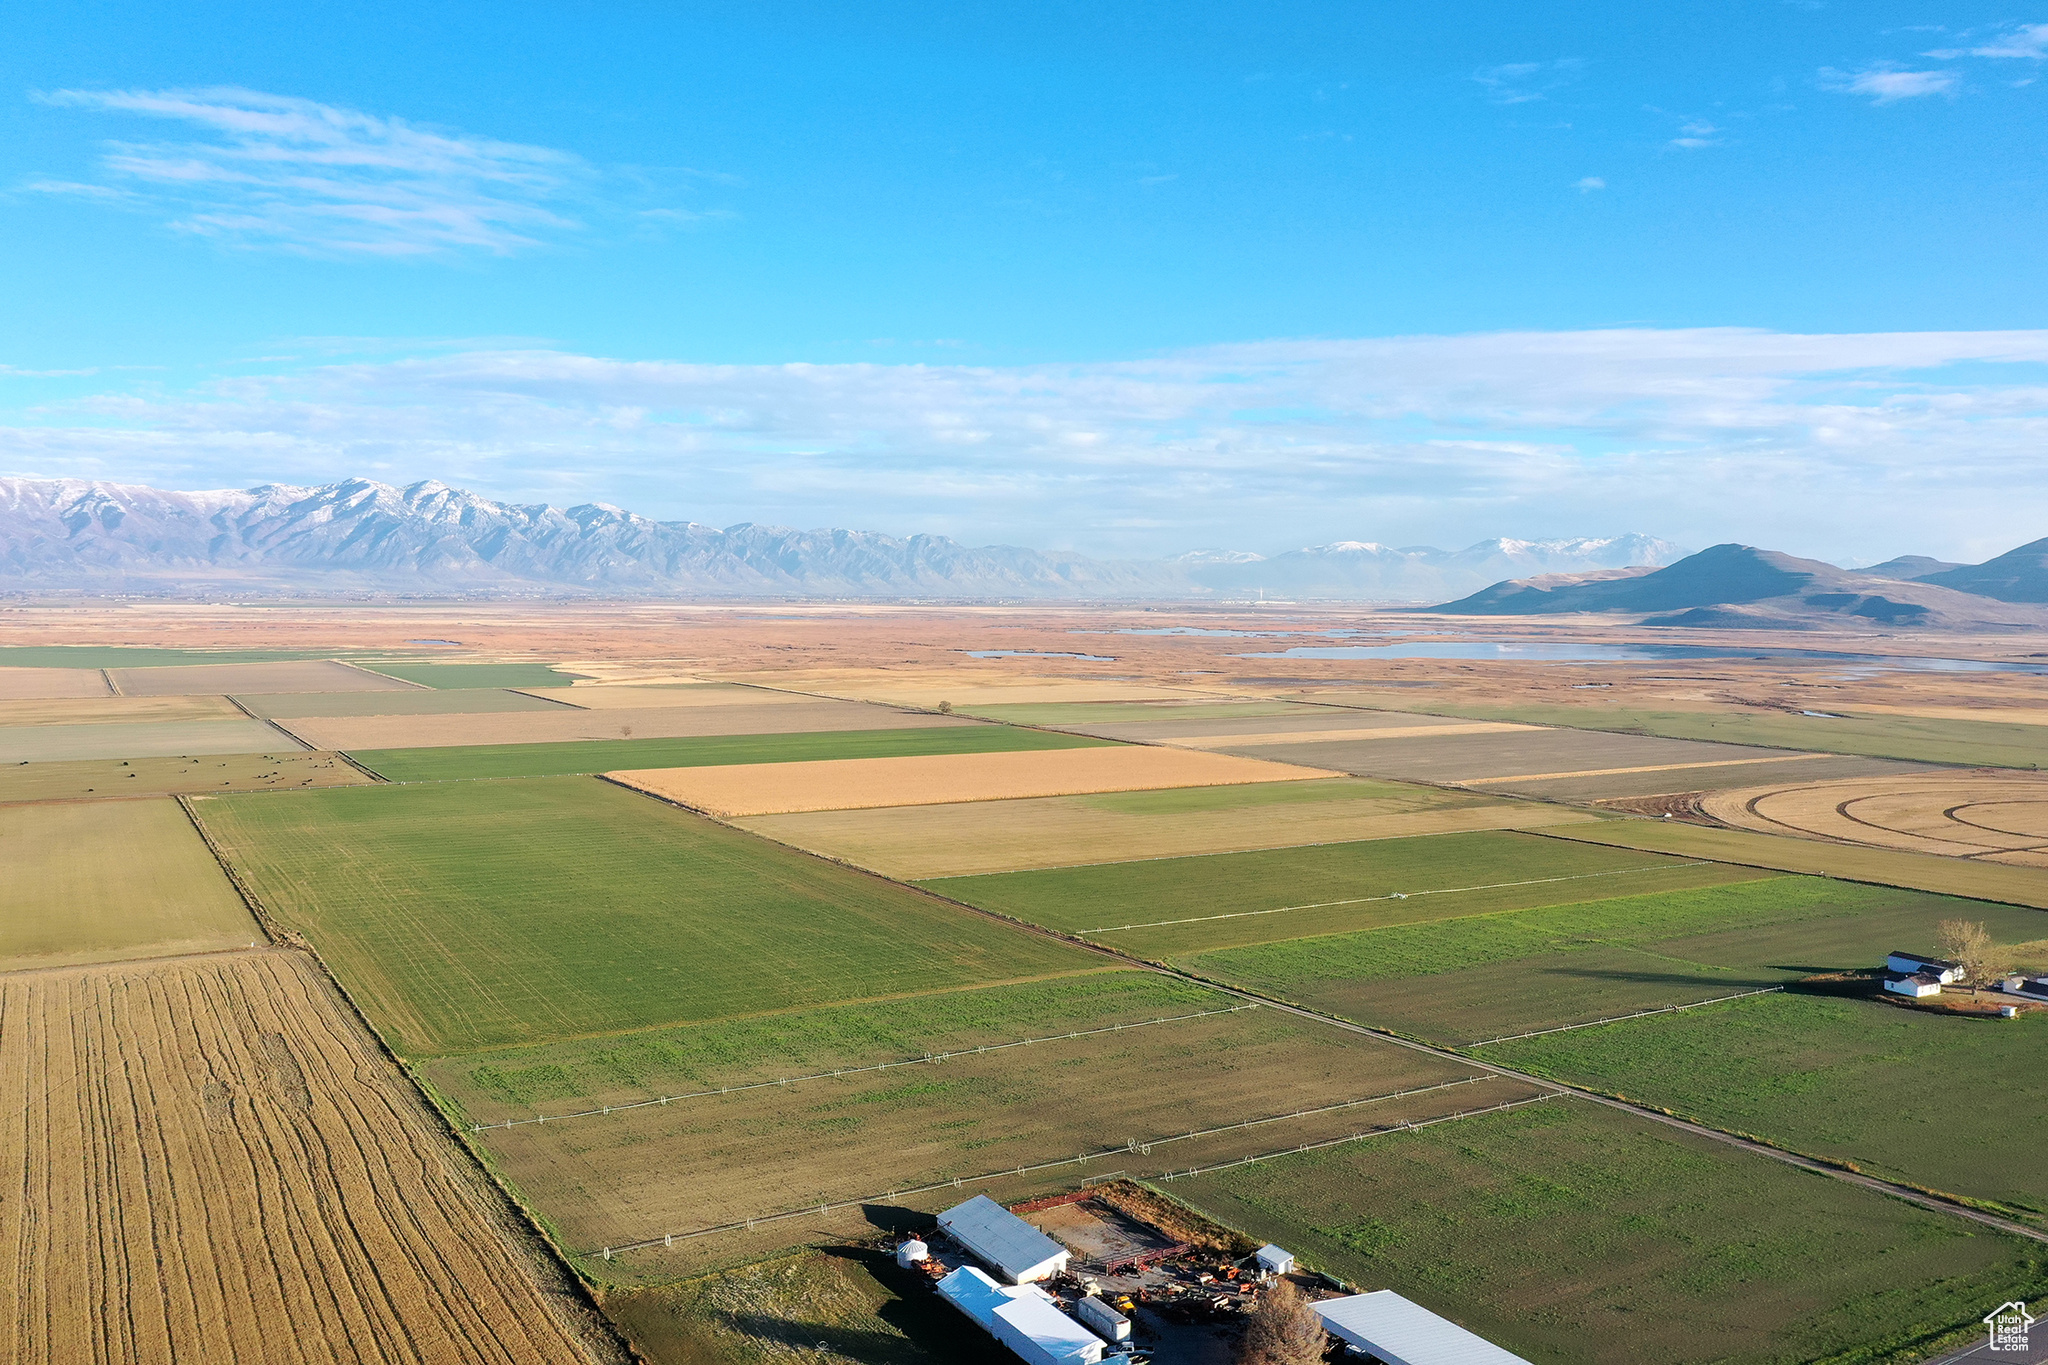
(1575, 1235)
(1480, 977)
(475, 915)
(122, 656)
(1338, 887)
(1969, 743)
(613, 755)
(33, 744)
(475, 675)
(1942, 1101)
(104, 881)
(620, 1069)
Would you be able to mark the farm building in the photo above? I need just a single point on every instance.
(1105, 1320)
(2036, 986)
(1399, 1332)
(1022, 1317)
(1943, 971)
(1274, 1260)
(1918, 986)
(1004, 1242)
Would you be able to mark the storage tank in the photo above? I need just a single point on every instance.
(911, 1252)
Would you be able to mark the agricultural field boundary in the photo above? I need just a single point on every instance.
(360, 668)
(929, 1059)
(265, 720)
(1102, 1154)
(1934, 1200)
(1618, 772)
(1392, 896)
(1405, 1126)
(1624, 1018)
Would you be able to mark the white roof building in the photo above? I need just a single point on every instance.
(1274, 1260)
(1400, 1332)
(1918, 985)
(1004, 1242)
(1023, 1318)
(1944, 972)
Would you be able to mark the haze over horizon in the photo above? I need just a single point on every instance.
(1123, 284)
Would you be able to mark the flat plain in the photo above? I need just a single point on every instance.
(602, 755)
(410, 702)
(1573, 1234)
(561, 725)
(474, 675)
(625, 697)
(478, 914)
(107, 779)
(1852, 1079)
(110, 709)
(304, 675)
(853, 784)
(106, 880)
(970, 838)
(209, 1163)
(122, 739)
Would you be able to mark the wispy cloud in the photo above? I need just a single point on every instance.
(1886, 83)
(2024, 41)
(1696, 133)
(1526, 82)
(1587, 184)
(276, 172)
(1701, 435)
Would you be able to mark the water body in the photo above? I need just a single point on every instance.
(1036, 654)
(1562, 652)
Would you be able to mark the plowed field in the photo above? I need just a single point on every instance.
(855, 784)
(21, 683)
(205, 1164)
(102, 710)
(618, 697)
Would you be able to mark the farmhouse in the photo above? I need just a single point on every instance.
(1022, 1317)
(1393, 1329)
(1918, 985)
(1004, 1242)
(1944, 972)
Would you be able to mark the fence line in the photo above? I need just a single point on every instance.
(1409, 1126)
(1394, 896)
(1619, 1018)
(930, 1058)
(957, 1182)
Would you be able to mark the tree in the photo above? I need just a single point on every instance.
(1284, 1329)
(1967, 942)
(945, 708)
(625, 732)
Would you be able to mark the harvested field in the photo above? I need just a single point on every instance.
(102, 710)
(25, 684)
(1900, 1093)
(1576, 1235)
(854, 784)
(1304, 724)
(1888, 867)
(620, 696)
(96, 657)
(599, 755)
(479, 914)
(119, 739)
(1973, 737)
(560, 725)
(1471, 979)
(959, 685)
(411, 702)
(476, 675)
(306, 675)
(1170, 906)
(1079, 715)
(209, 1163)
(1989, 816)
(725, 1158)
(113, 779)
(970, 838)
(1664, 780)
(106, 880)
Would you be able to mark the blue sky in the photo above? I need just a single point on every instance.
(1128, 278)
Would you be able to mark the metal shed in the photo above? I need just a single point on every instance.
(1402, 1332)
(1022, 1317)
(1003, 1241)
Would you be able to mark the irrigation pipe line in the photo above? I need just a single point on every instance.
(670, 1239)
(929, 1059)
(1395, 896)
(1619, 1018)
(1361, 1137)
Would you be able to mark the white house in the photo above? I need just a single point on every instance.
(1918, 985)
(1022, 1317)
(1004, 1242)
(1401, 1332)
(1944, 972)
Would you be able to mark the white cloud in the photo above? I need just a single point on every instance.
(1587, 184)
(281, 173)
(1526, 82)
(1696, 133)
(2025, 41)
(1829, 445)
(1885, 83)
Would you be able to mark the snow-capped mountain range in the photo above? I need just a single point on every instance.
(361, 536)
